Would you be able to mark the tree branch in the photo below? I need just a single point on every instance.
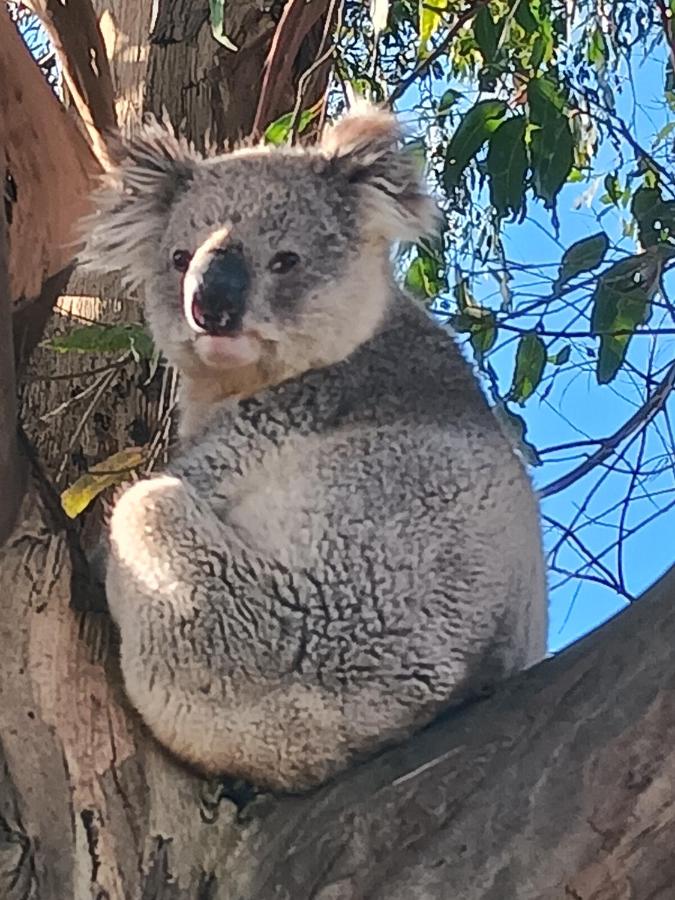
(559, 785)
(297, 20)
(75, 33)
(443, 47)
(653, 405)
(12, 465)
(49, 168)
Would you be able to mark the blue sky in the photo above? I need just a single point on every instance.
(576, 406)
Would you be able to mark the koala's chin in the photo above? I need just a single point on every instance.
(225, 352)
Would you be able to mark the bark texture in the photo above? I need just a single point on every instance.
(206, 89)
(50, 166)
(561, 785)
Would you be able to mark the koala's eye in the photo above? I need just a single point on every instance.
(181, 260)
(283, 262)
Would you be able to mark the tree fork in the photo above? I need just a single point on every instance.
(559, 785)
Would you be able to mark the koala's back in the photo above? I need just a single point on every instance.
(347, 554)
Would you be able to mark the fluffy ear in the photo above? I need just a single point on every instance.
(364, 145)
(135, 195)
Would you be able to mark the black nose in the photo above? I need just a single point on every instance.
(219, 302)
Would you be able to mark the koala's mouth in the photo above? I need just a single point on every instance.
(228, 350)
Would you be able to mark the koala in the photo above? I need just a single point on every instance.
(345, 544)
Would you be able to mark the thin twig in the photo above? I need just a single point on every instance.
(442, 47)
(644, 414)
(668, 31)
(324, 53)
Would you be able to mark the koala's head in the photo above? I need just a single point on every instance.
(277, 259)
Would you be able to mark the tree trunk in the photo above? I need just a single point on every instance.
(205, 89)
(560, 785)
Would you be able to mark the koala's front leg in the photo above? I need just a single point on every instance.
(211, 638)
(165, 546)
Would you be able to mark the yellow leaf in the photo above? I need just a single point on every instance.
(107, 473)
(432, 13)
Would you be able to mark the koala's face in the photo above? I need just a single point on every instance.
(277, 259)
(252, 249)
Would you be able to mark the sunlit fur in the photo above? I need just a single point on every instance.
(345, 543)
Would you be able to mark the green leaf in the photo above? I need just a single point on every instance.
(279, 131)
(552, 142)
(515, 429)
(484, 335)
(507, 165)
(463, 296)
(621, 302)
(432, 13)
(525, 18)
(613, 187)
(113, 470)
(542, 49)
(475, 128)
(655, 216)
(476, 321)
(581, 256)
(217, 14)
(530, 362)
(423, 277)
(486, 32)
(448, 99)
(561, 357)
(104, 339)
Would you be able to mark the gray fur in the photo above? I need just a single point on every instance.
(346, 543)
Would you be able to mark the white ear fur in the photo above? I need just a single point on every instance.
(364, 146)
(133, 199)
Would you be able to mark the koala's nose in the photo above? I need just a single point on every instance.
(219, 301)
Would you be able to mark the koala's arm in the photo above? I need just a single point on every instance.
(213, 642)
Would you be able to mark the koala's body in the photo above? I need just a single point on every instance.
(345, 544)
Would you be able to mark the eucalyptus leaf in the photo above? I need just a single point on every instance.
(111, 471)
(431, 14)
(279, 131)
(217, 15)
(507, 166)
(100, 338)
(530, 362)
(475, 128)
(582, 256)
(552, 141)
(486, 32)
(621, 302)
(655, 216)
(379, 14)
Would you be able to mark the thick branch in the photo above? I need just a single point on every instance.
(75, 33)
(50, 165)
(12, 465)
(560, 785)
(297, 20)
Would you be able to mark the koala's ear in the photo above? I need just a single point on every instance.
(364, 145)
(130, 207)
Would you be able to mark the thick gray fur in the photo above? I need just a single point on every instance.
(350, 548)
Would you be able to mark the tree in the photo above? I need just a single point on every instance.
(561, 785)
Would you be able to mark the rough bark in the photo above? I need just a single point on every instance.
(207, 89)
(560, 785)
(50, 166)
(12, 466)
